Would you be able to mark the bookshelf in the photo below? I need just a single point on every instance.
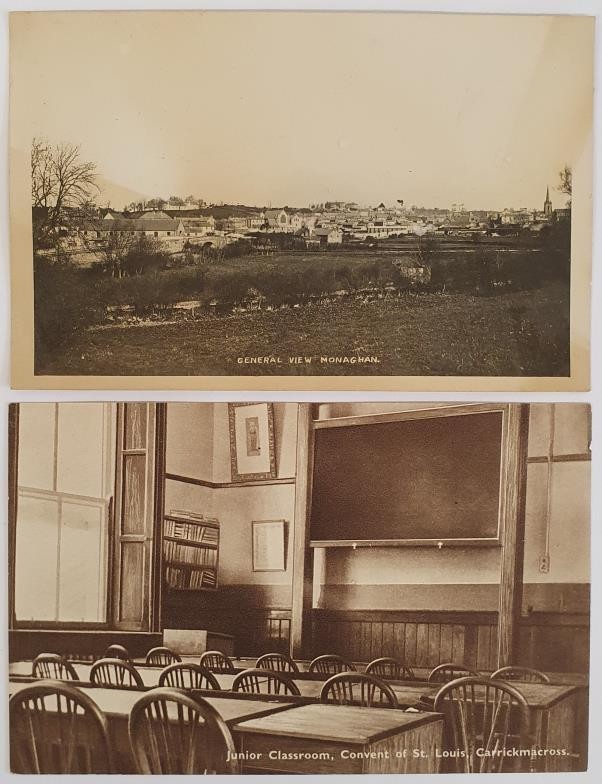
(190, 552)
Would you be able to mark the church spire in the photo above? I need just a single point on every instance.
(547, 205)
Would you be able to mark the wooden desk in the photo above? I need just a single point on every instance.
(559, 712)
(555, 711)
(196, 641)
(116, 704)
(554, 721)
(347, 740)
(149, 675)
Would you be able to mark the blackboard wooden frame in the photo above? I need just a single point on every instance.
(512, 543)
(421, 414)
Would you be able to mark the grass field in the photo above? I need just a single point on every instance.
(507, 334)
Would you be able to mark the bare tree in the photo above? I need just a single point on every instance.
(115, 251)
(59, 179)
(566, 182)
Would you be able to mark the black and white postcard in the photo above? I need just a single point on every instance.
(312, 200)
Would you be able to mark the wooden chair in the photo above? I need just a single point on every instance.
(216, 661)
(255, 681)
(115, 672)
(329, 664)
(357, 688)
(524, 674)
(171, 734)
(444, 673)
(279, 662)
(486, 714)
(390, 669)
(54, 666)
(188, 676)
(56, 728)
(117, 652)
(162, 656)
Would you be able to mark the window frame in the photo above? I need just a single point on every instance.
(158, 411)
(62, 499)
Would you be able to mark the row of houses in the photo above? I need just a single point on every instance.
(329, 224)
(162, 226)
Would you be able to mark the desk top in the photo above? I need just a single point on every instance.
(149, 675)
(119, 702)
(538, 695)
(337, 723)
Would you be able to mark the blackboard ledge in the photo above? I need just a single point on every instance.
(440, 544)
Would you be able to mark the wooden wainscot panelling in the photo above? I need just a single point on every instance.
(258, 617)
(421, 639)
(554, 627)
(555, 642)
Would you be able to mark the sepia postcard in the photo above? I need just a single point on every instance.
(301, 200)
(420, 604)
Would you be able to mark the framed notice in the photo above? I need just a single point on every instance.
(252, 453)
(269, 545)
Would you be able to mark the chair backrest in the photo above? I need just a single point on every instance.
(115, 672)
(486, 715)
(171, 733)
(256, 681)
(449, 671)
(329, 664)
(391, 669)
(357, 688)
(54, 666)
(524, 674)
(117, 652)
(188, 676)
(216, 661)
(279, 662)
(41, 744)
(162, 656)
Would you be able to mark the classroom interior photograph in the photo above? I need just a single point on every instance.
(257, 587)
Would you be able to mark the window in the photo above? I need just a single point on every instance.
(85, 504)
(67, 463)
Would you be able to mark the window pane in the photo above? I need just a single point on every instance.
(36, 445)
(82, 586)
(82, 451)
(36, 559)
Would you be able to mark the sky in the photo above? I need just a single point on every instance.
(298, 108)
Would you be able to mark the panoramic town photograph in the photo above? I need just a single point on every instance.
(335, 194)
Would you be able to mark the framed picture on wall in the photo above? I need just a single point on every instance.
(269, 545)
(252, 453)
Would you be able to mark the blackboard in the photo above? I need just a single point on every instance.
(433, 478)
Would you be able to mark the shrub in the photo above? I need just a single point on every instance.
(61, 304)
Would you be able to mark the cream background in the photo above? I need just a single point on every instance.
(468, 393)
